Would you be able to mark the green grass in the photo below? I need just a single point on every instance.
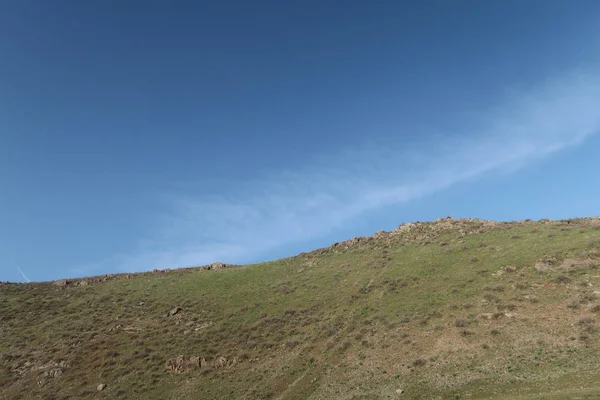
(428, 309)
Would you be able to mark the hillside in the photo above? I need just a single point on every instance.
(450, 309)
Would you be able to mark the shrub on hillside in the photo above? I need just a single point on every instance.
(420, 362)
(460, 323)
(561, 279)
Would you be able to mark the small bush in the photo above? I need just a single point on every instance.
(285, 289)
(595, 308)
(589, 297)
(590, 329)
(460, 323)
(420, 362)
(509, 307)
(491, 298)
(574, 304)
(498, 288)
(562, 279)
(495, 332)
(344, 346)
(594, 243)
(585, 321)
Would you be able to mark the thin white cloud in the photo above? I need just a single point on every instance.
(23, 274)
(295, 206)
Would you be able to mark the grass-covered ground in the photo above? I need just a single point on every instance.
(452, 309)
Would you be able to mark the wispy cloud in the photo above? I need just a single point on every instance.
(299, 205)
(23, 274)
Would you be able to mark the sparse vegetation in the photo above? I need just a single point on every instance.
(452, 306)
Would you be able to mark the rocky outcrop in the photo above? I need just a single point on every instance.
(53, 373)
(552, 264)
(182, 364)
(63, 283)
(217, 266)
(425, 231)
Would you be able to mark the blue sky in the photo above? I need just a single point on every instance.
(139, 135)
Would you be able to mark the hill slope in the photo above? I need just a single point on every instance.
(448, 309)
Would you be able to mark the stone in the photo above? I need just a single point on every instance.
(399, 391)
(531, 297)
(543, 265)
(174, 311)
(102, 386)
(53, 373)
(217, 265)
(220, 362)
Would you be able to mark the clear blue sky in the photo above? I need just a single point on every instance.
(152, 134)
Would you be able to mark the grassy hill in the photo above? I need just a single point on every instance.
(450, 309)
